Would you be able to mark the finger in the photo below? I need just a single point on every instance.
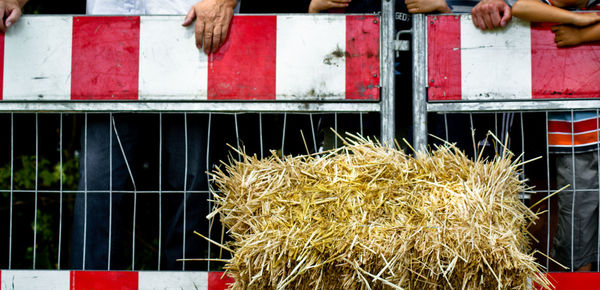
(340, 1)
(199, 31)
(2, 27)
(477, 21)
(506, 16)
(208, 37)
(495, 18)
(13, 17)
(225, 27)
(189, 17)
(487, 21)
(337, 5)
(216, 40)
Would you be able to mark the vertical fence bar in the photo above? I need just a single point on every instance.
(335, 127)
(185, 173)
(85, 155)
(362, 133)
(210, 192)
(160, 137)
(446, 125)
(124, 154)
(35, 194)
(388, 113)
(419, 82)
(60, 189)
(260, 133)
(548, 204)
(574, 187)
(110, 186)
(312, 129)
(598, 188)
(283, 134)
(12, 170)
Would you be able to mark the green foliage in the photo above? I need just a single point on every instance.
(50, 176)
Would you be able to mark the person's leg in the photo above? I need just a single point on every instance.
(182, 178)
(575, 243)
(93, 215)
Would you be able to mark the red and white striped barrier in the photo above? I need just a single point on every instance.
(149, 58)
(110, 280)
(520, 62)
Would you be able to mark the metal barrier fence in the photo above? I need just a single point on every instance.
(67, 78)
(510, 82)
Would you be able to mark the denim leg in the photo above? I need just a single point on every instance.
(95, 176)
(173, 203)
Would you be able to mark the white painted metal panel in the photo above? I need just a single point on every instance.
(504, 58)
(35, 280)
(171, 67)
(311, 62)
(37, 59)
(173, 280)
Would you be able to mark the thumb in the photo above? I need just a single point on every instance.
(13, 17)
(189, 17)
(506, 16)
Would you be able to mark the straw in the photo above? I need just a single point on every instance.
(366, 216)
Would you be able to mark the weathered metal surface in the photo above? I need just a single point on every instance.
(189, 106)
(388, 98)
(419, 83)
(268, 57)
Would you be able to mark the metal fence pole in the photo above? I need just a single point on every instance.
(419, 82)
(388, 113)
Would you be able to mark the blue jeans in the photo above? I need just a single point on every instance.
(93, 208)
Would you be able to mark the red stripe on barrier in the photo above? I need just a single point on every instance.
(105, 63)
(1, 64)
(244, 68)
(574, 280)
(218, 281)
(443, 40)
(559, 73)
(362, 57)
(100, 280)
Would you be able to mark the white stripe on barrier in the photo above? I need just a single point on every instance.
(35, 280)
(170, 64)
(311, 61)
(173, 280)
(506, 72)
(37, 59)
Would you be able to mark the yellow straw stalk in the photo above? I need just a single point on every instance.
(366, 216)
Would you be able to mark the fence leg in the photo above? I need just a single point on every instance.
(388, 113)
(419, 82)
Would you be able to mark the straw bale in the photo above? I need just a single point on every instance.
(366, 216)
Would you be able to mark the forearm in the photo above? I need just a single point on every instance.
(536, 11)
(590, 33)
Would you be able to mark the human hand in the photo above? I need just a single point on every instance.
(317, 6)
(490, 14)
(427, 6)
(10, 11)
(585, 19)
(566, 35)
(212, 22)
